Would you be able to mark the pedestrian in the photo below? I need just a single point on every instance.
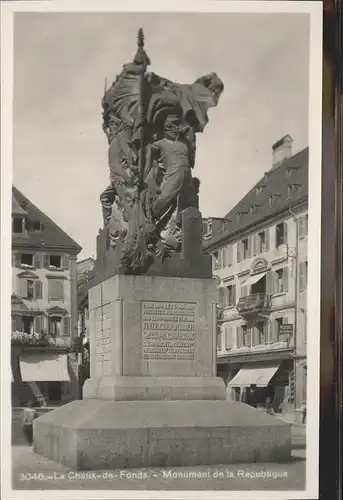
(252, 396)
(269, 404)
(303, 410)
(29, 415)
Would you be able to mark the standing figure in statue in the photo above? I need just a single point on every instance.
(175, 154)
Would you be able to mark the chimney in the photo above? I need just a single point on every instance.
(282, 150)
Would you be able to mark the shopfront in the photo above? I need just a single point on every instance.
(269, 380)
(43, 379)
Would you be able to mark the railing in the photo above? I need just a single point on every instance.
(38, 339)
(254, 303)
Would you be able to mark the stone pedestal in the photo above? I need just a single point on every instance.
(153, 398)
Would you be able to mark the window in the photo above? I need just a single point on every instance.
(18, 225)
(292, 189)
(30, 289)
(258, 189)
(252, 209)
(227, 256)
(36, 226)
(55, 326)
(261, 332)
(229, 338)
(26, 259)
(207, 228)
(56, 289)
(261, 242)
(231, 295)
(245, 246)
(281, 280)
(246, 336)
(27, 324)
(244, 289)
(281, 234)
(302, 276)
(215, 258)
(55, 261)
(270, 200)
(219, 339)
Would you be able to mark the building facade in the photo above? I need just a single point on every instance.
(44, 307)
(259, 254)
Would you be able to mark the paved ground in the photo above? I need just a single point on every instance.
(32, 472)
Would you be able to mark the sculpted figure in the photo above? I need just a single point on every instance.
(151, 125)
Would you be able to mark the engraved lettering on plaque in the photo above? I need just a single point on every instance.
(103, 344)
(168, 330)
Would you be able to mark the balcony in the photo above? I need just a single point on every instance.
(257, 303)
(38, 340)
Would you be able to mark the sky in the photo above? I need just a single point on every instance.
(61, 61)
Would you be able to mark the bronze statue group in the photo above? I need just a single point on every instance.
(151, 125)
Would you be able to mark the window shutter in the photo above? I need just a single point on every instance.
(224, 253)
(233, 295)
(37, 261)
(285, 279)
(239, 258)
(219, 339)
(266, 238)
(221, 257)
(37, 324)
(66, 325)
(254, 333)
(228, 338)
(229, 255)
(60, 290)
(238, 336)
(250, 246)
(22, 287)
(38, 289)
(17, 259)
(46, 261)
(274, 331)
(51, 291)
(301, 223)
(221, 292)
(227, 296)
(302, 276)
(255, 242)
(285, 238)
(18, 324)
(249, 337)
(270, 283)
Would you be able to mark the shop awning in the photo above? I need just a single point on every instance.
(260, 376)
(254, 279)
(44, 368)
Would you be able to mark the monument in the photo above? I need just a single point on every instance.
(153, 398)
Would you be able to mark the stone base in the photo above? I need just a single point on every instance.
(93, 434)
(154, 388)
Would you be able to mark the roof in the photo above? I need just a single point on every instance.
(16, 208)
(51, 235)
(274, 183)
